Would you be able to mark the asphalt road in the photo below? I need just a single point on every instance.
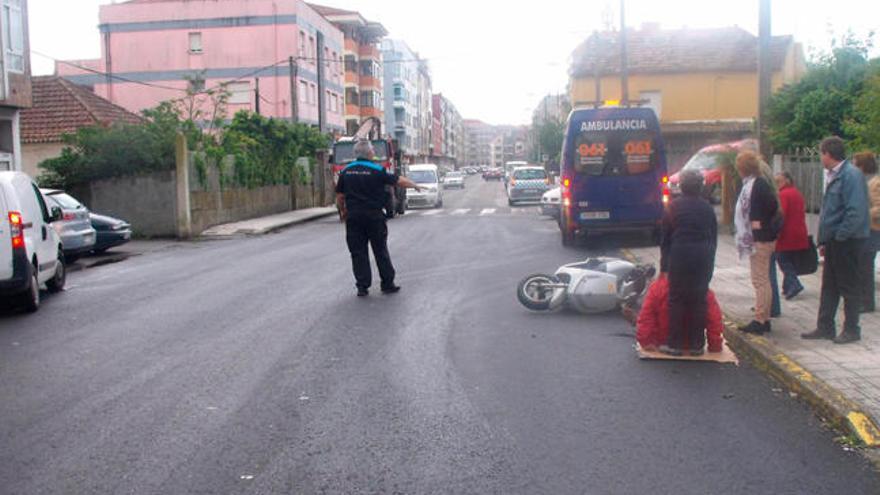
(249, 366)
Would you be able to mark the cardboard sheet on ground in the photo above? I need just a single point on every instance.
(725, 356)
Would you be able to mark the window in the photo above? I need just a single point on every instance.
(326, 57)
(351, 96)
(654, 101)
(196, 84)
(327, 101)
(350, 64)
(312, 49)
(13, 33)
(195, 42)
(313, 94)
(302, 44)
(239, 93)
(303, 92)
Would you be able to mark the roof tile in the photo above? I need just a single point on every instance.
(675, 51)
(61, 107)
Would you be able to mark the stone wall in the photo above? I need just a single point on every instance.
(211, 208)
(148, 202)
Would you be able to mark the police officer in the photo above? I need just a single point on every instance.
(360, 195)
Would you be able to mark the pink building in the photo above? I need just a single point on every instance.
(151, 47)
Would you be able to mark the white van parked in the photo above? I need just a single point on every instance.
(31, 254)
(427, 176)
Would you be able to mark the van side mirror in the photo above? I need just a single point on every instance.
(56, 215)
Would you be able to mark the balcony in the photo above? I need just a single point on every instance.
(351, 46)
(369, 51)
(352, 110)
(352, 78)
(370, 82)
(371, 112)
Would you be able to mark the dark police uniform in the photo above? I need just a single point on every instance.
(363, 184)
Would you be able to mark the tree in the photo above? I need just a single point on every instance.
(822, 103)
(865, 123)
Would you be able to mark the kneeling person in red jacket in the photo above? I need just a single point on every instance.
(652, 328)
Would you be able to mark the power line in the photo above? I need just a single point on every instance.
(105, 74)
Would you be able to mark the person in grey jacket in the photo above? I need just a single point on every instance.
(843, 229)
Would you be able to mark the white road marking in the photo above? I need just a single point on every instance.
(487, 211)
(461, 211)
(431, 212)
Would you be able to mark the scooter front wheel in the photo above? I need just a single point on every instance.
(536, 291)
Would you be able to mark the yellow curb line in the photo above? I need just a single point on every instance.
(842, 411)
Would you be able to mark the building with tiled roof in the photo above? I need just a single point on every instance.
(703, 83)
(61, 107)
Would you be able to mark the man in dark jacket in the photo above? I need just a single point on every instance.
(687, 253)
(843, 229)
(360, 195)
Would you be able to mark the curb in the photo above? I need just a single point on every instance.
(269, 229)
(841, 412)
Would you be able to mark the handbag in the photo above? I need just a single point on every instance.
(806, 261)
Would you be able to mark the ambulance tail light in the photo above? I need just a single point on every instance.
(664, 183)
(566, 192)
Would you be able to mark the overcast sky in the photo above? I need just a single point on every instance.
(496, 59)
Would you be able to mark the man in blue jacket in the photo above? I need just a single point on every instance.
(843, 228)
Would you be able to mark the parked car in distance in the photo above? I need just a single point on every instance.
(453, 179)
(550, 202)
(31, 252)
(710, 162)
(427, 176)
(492, 174)
(111, 232)
(75, 228)
(527, 184)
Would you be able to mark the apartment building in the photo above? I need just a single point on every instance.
(364, 76)
(478, 137)
(153, 51)
(408, 114)
(448, 131)
(15, 83)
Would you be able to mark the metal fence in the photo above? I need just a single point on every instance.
(805, 166)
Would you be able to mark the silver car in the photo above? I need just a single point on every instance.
(75, 229)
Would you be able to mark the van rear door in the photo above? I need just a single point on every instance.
(616, 175)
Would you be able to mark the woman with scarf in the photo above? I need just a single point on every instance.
(756, 209)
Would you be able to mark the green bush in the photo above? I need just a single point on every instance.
(264, 150)
(99, 152)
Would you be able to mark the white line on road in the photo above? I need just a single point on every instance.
(487, 211)
(461, 211)
(431, 212)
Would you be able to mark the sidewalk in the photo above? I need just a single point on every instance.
(264, 225)
(841, 381)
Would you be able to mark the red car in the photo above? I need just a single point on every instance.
(709, 161)
(492, 174)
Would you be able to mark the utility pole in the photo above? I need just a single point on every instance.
(257, 95)
(322, 99)
(624, 70)
(765, 72)
(294, 104)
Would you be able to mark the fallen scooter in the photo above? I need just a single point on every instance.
(595, 285)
